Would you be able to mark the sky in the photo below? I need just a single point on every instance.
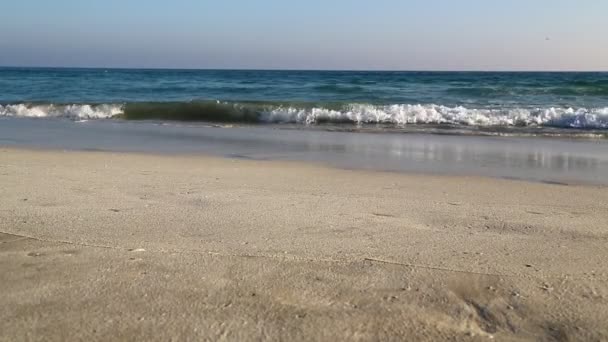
(307, 34)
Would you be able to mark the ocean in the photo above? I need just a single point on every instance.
(475, 101)
(536, 126)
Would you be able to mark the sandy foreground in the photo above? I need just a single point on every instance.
(106, 246)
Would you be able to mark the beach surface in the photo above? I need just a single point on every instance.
(126, 246)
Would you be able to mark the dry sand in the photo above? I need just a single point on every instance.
(104, 246)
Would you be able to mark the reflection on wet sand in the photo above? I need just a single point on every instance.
(539, 159)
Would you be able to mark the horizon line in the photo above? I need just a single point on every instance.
(305, 70)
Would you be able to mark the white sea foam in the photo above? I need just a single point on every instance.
(435, 114)
(73, 111)
(398, 114)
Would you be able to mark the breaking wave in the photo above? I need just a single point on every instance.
(72, 111)
(320, 113)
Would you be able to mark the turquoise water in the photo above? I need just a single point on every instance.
(306, 115)
(577, 101)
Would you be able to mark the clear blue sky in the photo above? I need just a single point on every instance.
(307, 34)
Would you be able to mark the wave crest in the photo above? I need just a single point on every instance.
(72, 111)
(314, 113)
(435, 114)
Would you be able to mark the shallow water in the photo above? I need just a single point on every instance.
(537, 159)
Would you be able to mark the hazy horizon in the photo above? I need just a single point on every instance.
(356, 35)
(160, 68)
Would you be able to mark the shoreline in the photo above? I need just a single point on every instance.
(301, 163)
(120, 244)
(554, 160)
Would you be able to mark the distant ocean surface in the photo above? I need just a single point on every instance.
(534, 103)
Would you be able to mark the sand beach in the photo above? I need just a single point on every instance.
(125, 246)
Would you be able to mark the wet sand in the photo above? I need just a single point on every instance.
(123, 246)
(562, 160)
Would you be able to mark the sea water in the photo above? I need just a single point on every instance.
(487, 99)
(541, 126)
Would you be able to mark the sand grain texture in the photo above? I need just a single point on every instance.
(103, 246)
